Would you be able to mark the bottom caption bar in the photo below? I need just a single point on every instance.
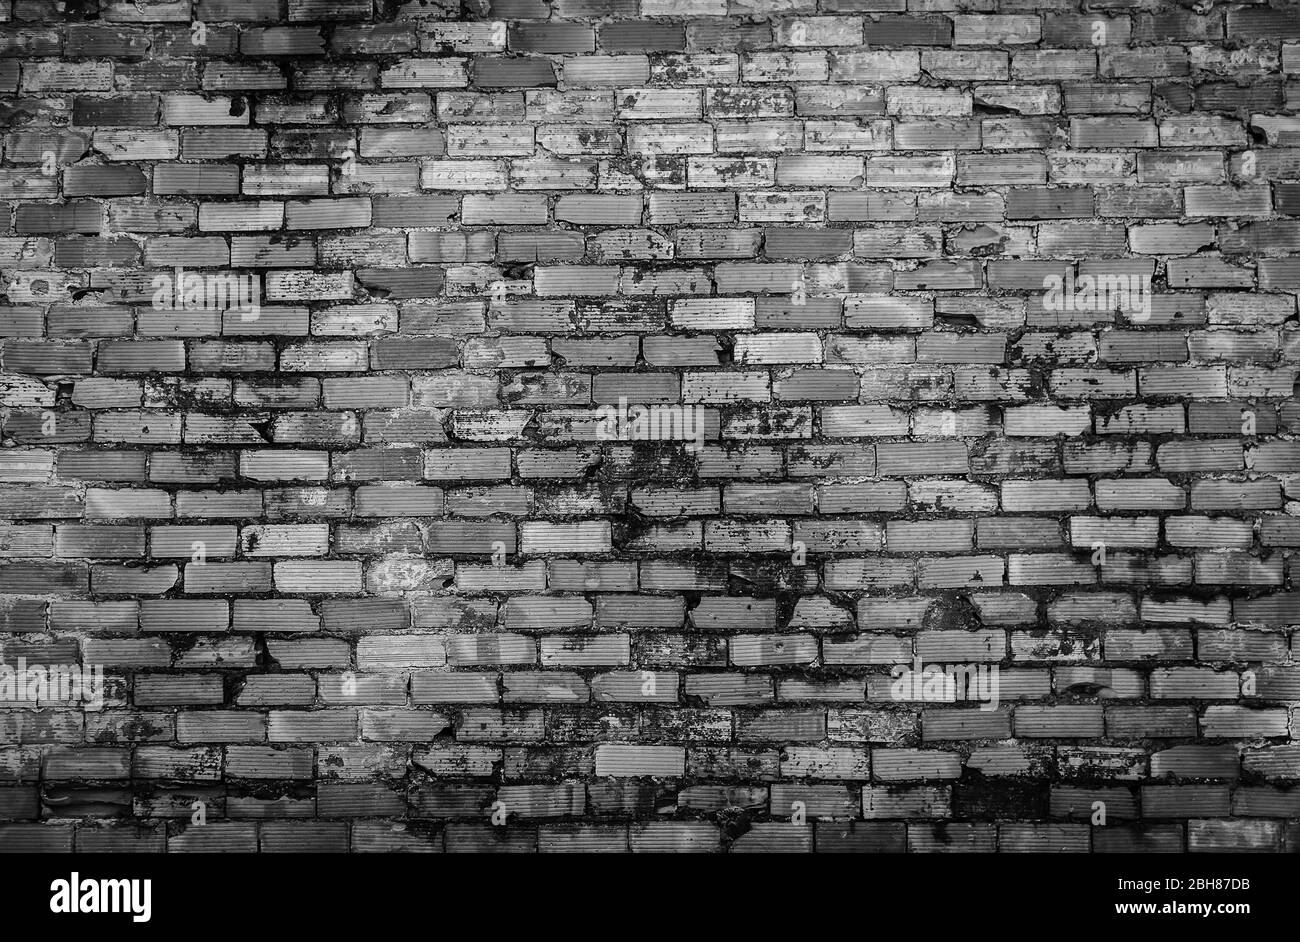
(142, 893)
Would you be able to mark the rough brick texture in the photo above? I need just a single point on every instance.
(361, 568)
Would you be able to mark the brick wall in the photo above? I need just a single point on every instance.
(367, 566)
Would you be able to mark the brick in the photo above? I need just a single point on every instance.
(831, 230)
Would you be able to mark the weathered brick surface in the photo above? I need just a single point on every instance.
(361, 568)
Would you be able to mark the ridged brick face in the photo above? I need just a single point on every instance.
(750, 425)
